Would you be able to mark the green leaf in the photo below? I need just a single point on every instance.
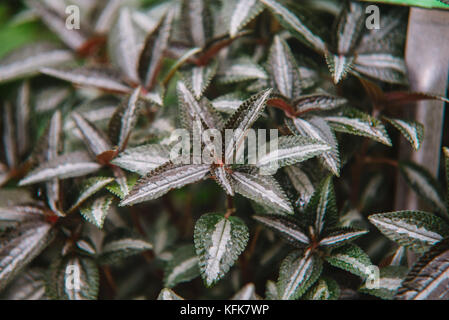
(302, 184)
(90, 187)
(122, 185)
(355, 122)
(218, 242)
(168, 294)
(428, 279)
(415, 230)
(324, 289)
(271, 291)
(339, 65)
(424, 184)
(95, 211)
(73, 278)
(340, 236)
(299, 270)
(291, 150)
(351, 258)
(120, 244)
(390, 279)
(263, 189)
(182, 267)
(295, 25)
(412, 131)
(287, 227)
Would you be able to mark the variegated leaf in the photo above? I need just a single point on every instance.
(9, 141)
(263, 189)
(94, 139)
(429, 277)
(424, 184)
(301, 182)
(358, 123)
(22, 118)
(223, 178)
(12, 216)
(123, 120)
(168, 294)
(382, 66)
(150, 60)
(324, 289)
(105, 18)
(271, 291)
(197, 19)
(291, 150)
(295, 25)
(239, 70)
(199, 78)
(218, 242)
(95, 211)
(182, 267)
(351, 258)
(122, 185)
(27, 61)
(97, 77)
(242, 120)
(299, 271)
(390, 279)
(283, 70)
(288, 228)
(91, 186)
(60, 280)
(317, 102)
(248, 292)
(164, 178)
(29, 285)
(125, 43)
(411, 130)
(415, 230)
(69, 165)
(228, 103)
(20, 246)
(339, 65)
(163, 234)
(244, 11)
(143, 159)
(341, 236)
(350, 27)
(120, 244)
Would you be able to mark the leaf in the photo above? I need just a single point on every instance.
(302, 184)
(13, 215)
(124, 45)
(182, 267)
(168, 294)
(295, 25)
(340, 236)
(69, 165)
(291, 150)
(123, 120)
(164, 178)
(263, 189)
(317, 102)
(20, 246)
(218, 242)
(96, 210)
(227, 103)
(423, 183)
(351, 258)
(199, 78)
(73, 278)
(350, 27)
(248, 292)
(271, 291)
(90, 187)
(94, 139)
(283, 69)
(287, 227)
(197, 18)
(428, 279)
(242, 120)
(339, 65)
(299, 270)
(143, 159)
(324, 289)
(415, 230)
(223, 178)
(163, 234)
(120, 244)
(244, 11)
(23, 109)
(411, 130)
(242, 69)
(358, 123)
(150, 60)
(122, 185)
(97, 77)
(29, 285)
(9, 141)
(382, 66)
(390, 279)
(27, 61)
(318, 129)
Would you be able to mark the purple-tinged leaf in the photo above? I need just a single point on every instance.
(94, 139)
(9, 140)
(22, 117)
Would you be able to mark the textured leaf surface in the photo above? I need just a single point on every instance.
(182, 268)
(412, 131)
(338, 237)
(390, 279)
(351, 258)
(218, 242)
(244, 12)
(324, 289)
(248, 292)
(95, 211)
(95, 140)
(415, 230)
(287, 227)
(168, 294)
(91, 186)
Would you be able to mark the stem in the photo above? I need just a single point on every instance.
(229, 206)
(110, 280)
(391, 162)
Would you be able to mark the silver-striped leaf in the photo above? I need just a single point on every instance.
(340, 236)
(29, 285)
(96, 210)
(248, 292)
(416, 230)
(287, 227)
(182, 267)
(95, 140)
(244, 11)
(339, 65)
(390, 279)
(168, 294)
(302, 184)
(218, 242)
(352, 259)
(227, 103)
(90, 187)
(323, 289)
(242, 69)
(199, 78)
(411, 130)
